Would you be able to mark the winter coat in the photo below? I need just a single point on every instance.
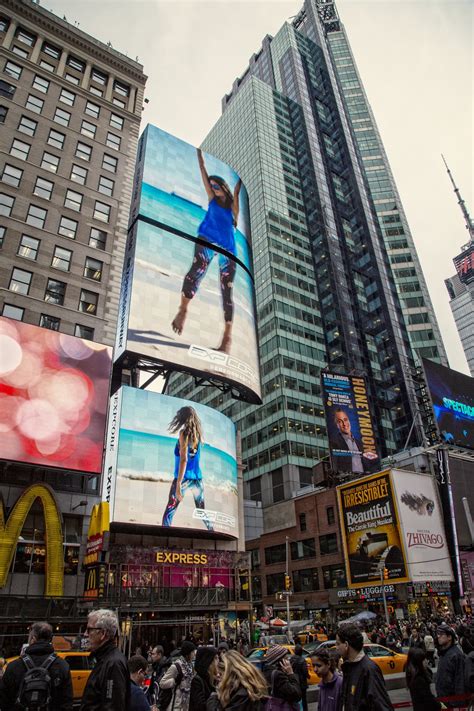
(108, 686)
(201, 685)
(180, 702)
(421, 696)
(450, 672)
(239, 701)
(363, 687)
(138, 699)
(156, 675)
(330, 693)
(281, 685)
(61, 687)
(300, 668)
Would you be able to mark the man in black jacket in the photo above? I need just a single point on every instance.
(363, 687)
(108, 686)
(300, 668)
(39, 649)
(159, 665)
(450, 672)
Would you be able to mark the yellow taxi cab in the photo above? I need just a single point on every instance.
(80, 667)
(257, 657)
(388, 662)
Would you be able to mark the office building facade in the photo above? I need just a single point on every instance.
(329, 295)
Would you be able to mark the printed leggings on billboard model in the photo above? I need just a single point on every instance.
(203, 256)
(197, 488)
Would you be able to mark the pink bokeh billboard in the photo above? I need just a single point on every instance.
(53, 397)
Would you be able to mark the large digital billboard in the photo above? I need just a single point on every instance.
(452, 396)
(53, 397)
(161, 272)
(370, 529)
(352, 444)
(170, 463)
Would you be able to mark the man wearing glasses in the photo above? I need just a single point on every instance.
(108, 686)
(137, 666)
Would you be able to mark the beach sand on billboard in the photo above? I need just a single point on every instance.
(155, 301)
(138, 500)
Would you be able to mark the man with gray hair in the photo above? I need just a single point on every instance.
(108, 686)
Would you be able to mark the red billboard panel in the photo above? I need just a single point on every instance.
(53, 397)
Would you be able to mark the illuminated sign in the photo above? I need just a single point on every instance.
(181, 558)
(10, 531)
(53, 397)
(98, 526)
(94, 585)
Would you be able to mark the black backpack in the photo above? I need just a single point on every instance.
(167, 695)
(35, 688)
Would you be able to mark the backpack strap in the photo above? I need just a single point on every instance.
(273, 680)
(28, 662)
(47, 662)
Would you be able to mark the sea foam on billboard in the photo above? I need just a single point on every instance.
(53, 397)
(170, 462)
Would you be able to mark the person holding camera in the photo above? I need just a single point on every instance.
(282, 683)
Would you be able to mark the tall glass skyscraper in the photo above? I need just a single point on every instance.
(338, 281)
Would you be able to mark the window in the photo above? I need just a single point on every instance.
(11, 175)
(278, 486)
(41, 84)
(84, 332)
(3, 231)
(20, 149)
(20, 281)
(6, 204)
(13, 70)
(306, 476)
(99, 77)
(94, 90)
(331, 517)
(118, 102)
(50, 162)
(7, 89)
(275, 583)
(109, 163)
(28, 247)
(56, 138)
(67, 97)
(275, 554)
(43, 188)
(36, 216)
(46, 65)
(302, 520)
(98, 238)
(121, 89)
(76, 63)
(334, 576)
(93, 269)
(83, 151)
(79, 174)
(55, 292)
(305, 580)
(88, 129)
(101, 211)
(72, 79)
(27, 126)
(34, 103)
(255, 489)
(88, 302)
(116, 121)
(20, 52)
(50, 322)
(328, 544)
(113, 141)
(73, 200)
(51, 50)
(14, 312)
(92, 109)
(62, 117)
(303, 549)
(25, 37)
(4, 24)
(61, 259)
(67, 227)
(106, 186)
(3, 113)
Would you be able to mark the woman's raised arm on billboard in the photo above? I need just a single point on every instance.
(183, 460)
(235, 202)
(204, 175)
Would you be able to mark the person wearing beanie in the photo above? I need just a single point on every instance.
(282, 683)
(203, 683)
(450, 672)
(177, 680)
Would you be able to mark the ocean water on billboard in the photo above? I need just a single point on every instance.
(184, 215)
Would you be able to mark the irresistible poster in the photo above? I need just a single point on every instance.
(54, 391)
(370, 530)
(352, 443)
(170, 463)
(423, 527)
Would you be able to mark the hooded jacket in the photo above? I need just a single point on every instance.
(281, 685)
(330, 693)
(363, 687)
(108, 686)
(61, 687)
(201, 685)
(239, 701)
(450, 672)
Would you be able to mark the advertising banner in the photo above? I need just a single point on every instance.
(452, 396)
(171, 463)
(352, 444)
(370, 531)
(423, 528)
(53, 397)
(157, 272)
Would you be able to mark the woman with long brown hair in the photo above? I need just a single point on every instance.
(187, 469)
(242, 687)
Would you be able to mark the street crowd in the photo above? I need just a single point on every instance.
(198, 677)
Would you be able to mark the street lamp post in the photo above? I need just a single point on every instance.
(382, 568)
(287, 591)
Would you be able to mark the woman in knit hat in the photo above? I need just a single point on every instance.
(282, 683)
(203, 683)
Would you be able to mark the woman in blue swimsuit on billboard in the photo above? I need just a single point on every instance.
(187, 469)
(217, 228)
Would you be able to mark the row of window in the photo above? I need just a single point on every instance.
(44, 188)
(68, 228)
(36, 216)
(46, 321)
(302, 549)
(305, 580)
(28, 248)
(20, 283)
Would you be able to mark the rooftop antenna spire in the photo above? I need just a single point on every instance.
(461, 203)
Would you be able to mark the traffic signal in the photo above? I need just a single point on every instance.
(385, 573)
(287, 582)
